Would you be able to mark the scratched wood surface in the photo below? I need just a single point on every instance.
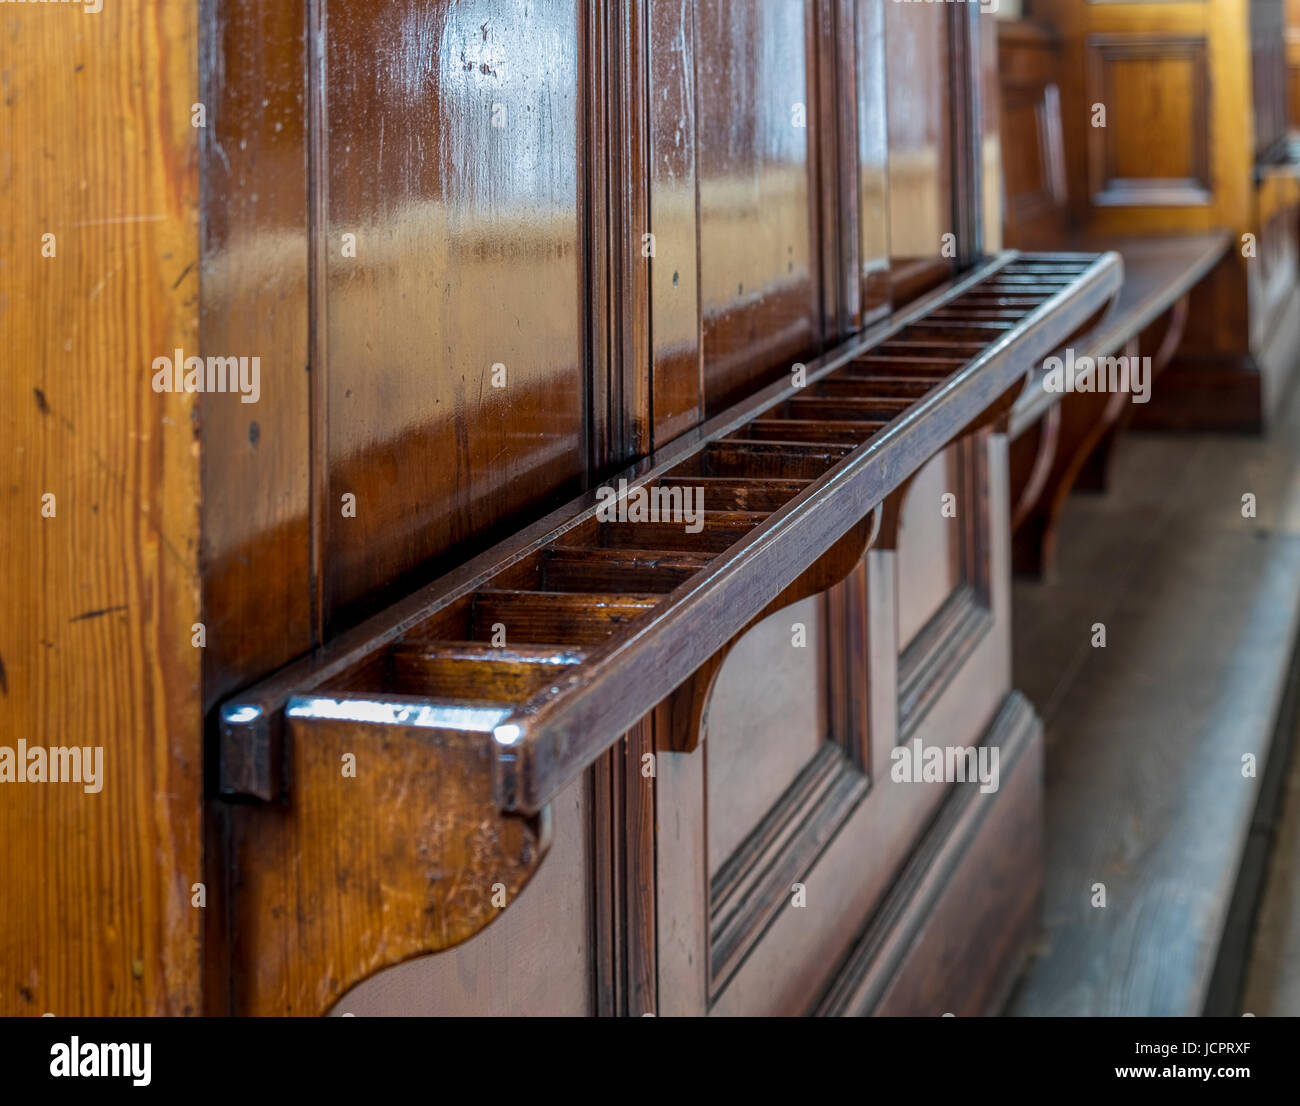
(97, 602)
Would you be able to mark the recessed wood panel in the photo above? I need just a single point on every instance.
(929, 545)
(678, 392)
(1155, 146)
(873, 158)
(763, 731)
(450, 151)
(917, 49)
(759, 282)
(1033, 162)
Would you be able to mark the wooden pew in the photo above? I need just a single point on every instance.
(1174, 121)
(1062, 441)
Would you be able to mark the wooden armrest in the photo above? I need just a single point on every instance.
(604, 619)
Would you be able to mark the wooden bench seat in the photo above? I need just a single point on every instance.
(1064, 440)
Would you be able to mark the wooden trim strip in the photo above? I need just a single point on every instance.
(939, 649)
(865, 975)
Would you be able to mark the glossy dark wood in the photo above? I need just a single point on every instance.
(526, 245)
(645, 651)
(760, 282)
(920, 127)
(253, 282)
(676, 371)
(468, 255)
(872, 161)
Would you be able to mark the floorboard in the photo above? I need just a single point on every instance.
(1145, 790)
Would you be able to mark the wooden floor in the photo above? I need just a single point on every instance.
(1146, 736)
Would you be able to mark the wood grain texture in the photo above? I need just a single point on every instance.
(406, 856)
(506, 970)
(651, 645)
(97, 602)
(759, 266)
(678, 390)
(450, 149)
(254, 278)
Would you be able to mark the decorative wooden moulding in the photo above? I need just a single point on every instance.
(607, 620)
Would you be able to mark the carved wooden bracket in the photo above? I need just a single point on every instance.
(391, 845)
(684, 714)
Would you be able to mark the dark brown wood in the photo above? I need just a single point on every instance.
(966, 901)
(872, 161)
(677, 381)
(623, 782)
(253, 284)
(921, 146)
(681, 719)
(759, 201)
(616, 220)
(422, 158)
(544, 742)
(1033, 155)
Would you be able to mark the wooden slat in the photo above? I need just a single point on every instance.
(874, 386)
(593, 568)
(467, 670)
(741, 493)
(814, 430)
(646, 644)
(566, 618)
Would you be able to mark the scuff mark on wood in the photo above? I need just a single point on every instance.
(96, 614)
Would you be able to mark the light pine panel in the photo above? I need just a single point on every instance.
(97, 602)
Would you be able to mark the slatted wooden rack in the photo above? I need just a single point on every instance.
(604, 619)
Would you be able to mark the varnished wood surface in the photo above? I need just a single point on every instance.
(676, 372)
(412, 165)
(547, 750)
(1158, 271)
(787, 969)
(435, 869)
(253, 284)
(98, 602)
(759, 267)
(1194, 597)
(917, 41)
(536, 960)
